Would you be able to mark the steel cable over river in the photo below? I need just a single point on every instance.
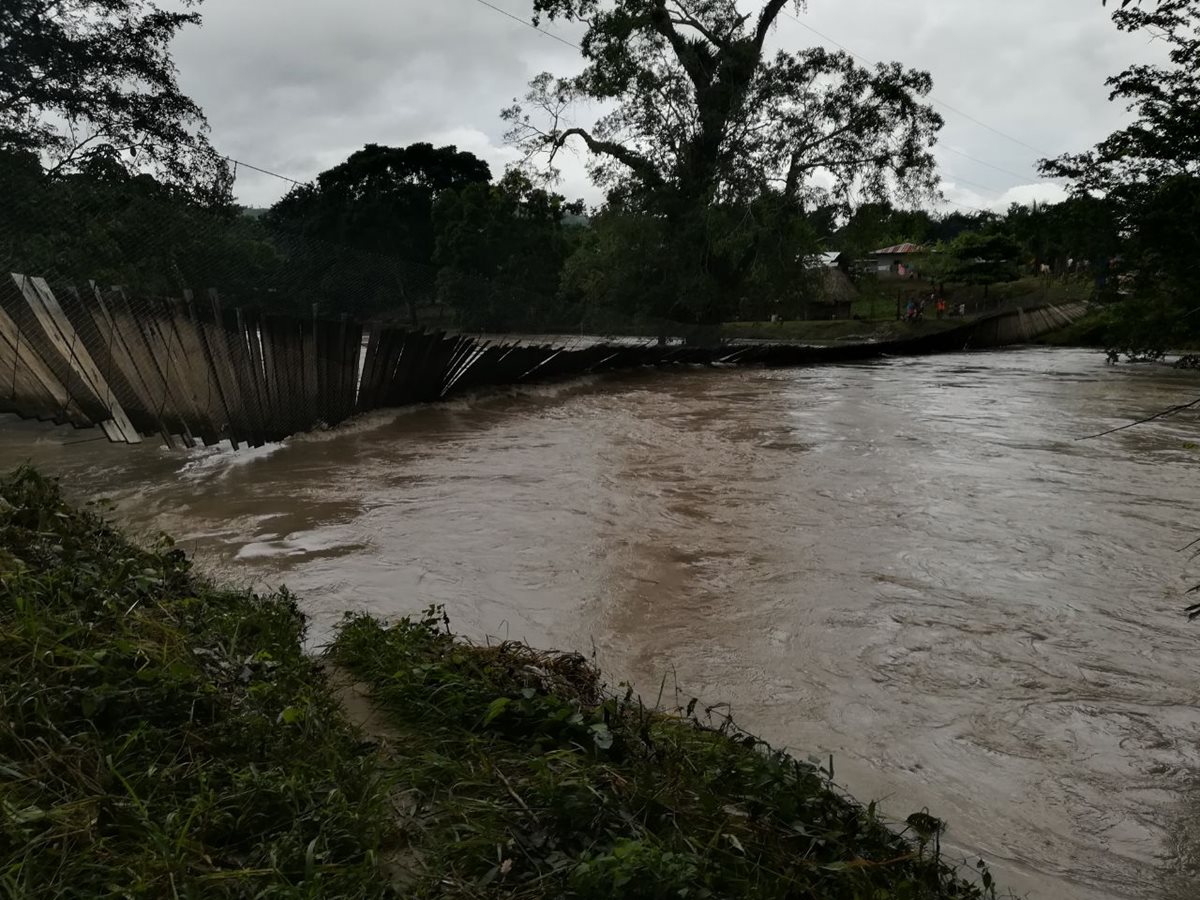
(912, 565)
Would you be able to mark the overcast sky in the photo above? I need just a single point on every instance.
(295, 86)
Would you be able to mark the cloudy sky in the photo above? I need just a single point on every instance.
(295, 86)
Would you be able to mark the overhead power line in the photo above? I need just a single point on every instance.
(941, 103)
(840, 46)
(982, 162)
(516, 18)
(561, 40)
(982, 124)
(970, 208)
(246, 165)
(950, 176)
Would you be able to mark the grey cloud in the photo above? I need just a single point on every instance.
(296, 85)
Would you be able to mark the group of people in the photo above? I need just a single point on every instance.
(915, 311)
(916, 307)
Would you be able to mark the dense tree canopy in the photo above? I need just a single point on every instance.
(107, 224)
(381, 198)
(1149, 175)
(882, 224)
(714, 138)
(984, 258)
(374, 214)
(500, 254)
(87, 83)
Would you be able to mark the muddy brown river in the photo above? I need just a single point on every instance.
(911, 565)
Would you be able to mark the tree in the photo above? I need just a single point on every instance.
(976, 258)
(88, 81)
(107, 224)
(876, 225)
(1164, 142)
(950, 225)
(375, 214)
(500, 252)
(623, 273)
(704, 125)
(1149, 174)
(1079, 231)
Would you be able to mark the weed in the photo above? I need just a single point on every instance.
(159, 736)
(530, 779)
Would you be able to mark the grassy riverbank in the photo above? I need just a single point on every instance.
(162, 736)
(833, 331)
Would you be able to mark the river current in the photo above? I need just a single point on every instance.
(914, 566)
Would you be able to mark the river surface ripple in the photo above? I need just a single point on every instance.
(912, 565)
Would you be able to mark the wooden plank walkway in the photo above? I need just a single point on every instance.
(187, 370)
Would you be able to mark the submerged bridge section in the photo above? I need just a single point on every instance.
(187, 371)
(1023, 324)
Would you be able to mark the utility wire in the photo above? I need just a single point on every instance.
(933, 99)
(246, 165)
(516, 18)
(950, 176)
(857, 56)
(981, 162)
(978, 209)
(982, 124)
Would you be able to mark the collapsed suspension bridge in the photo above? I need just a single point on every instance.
(191, 372)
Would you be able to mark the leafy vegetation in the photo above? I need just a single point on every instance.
(89, 85)
(500, 252)
(378, 202)
(983, 258)
(161, 736)
(714, 144)
(1149, 176)
(529, 777)
(707, 150)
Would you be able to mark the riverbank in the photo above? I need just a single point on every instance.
(840, 331)
(165, 736)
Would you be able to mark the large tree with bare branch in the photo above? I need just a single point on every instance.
(702, 120)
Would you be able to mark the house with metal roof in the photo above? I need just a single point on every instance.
(900, 261)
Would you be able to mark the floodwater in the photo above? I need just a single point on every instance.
(911, 565)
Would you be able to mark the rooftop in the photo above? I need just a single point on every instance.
(898, 250)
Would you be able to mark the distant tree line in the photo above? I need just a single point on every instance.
(725, 170)
(424, 235)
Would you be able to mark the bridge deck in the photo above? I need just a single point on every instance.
(191, 372)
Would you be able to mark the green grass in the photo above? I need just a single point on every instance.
(874, 310)
(160, 736)
(877, 299)
(530, 778)
(163, 737)
(830, 331)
